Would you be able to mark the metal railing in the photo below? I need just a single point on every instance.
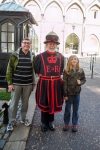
(4, 112)
(92, 62)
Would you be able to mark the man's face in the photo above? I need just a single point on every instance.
(51, 46)
(25, 45)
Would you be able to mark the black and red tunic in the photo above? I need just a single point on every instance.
(49, 93)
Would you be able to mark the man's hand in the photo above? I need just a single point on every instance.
(33, 86)
(66, 98)
(11, 87)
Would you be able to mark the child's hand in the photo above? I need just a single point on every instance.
(78, 82)
(65, 98)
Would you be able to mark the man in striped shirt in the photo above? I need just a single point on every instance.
(21, 79)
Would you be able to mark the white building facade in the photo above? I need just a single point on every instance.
(76, 22)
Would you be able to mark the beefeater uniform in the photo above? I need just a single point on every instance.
(49, 93)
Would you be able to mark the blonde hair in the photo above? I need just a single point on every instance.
(69, 64)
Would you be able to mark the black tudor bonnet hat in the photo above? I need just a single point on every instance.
(52, 37)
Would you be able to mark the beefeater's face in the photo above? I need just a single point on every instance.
(51, 46)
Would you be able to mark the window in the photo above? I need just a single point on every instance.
(92, 44)
(34, 45)
(7, 37)
(34, 40)
(53, 14)
(74, 12)
(94, 14)
(34, 9)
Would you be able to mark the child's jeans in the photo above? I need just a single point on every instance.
(74, 101)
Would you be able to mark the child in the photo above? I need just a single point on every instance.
(73, 78)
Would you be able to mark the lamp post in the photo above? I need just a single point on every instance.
(73, 27)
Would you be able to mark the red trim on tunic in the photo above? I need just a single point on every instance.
(49, 112)
(48, 91)
(49, 77)
(50, 98)
(43, 64)
(52, 86)
(57, 98)
(40, 91)
(54, 97)
(41, 94)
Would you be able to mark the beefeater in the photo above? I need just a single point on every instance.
(49, 66)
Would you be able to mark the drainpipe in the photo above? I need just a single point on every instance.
(19, 29)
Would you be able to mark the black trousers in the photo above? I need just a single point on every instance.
(46, 117)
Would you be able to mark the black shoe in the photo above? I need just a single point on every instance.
(66, 127)
(74, 128)
(44, 127)
(51, 126)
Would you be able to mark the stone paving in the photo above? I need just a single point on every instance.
(3, 134)
(88, 135)
(16, 140)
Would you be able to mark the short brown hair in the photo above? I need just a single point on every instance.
(26, 38)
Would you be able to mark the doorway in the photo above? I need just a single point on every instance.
(72, 44)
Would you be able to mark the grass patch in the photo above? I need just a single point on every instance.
(1, 115)
(5, 96)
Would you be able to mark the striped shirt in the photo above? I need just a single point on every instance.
(23, 72)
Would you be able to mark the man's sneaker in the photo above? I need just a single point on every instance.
(9, 127)
(74, 128)
(66, 127)
(26, 122)
(14, 123)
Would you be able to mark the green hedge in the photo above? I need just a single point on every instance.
(5, 96)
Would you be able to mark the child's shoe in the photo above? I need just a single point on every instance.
(66, 127)
(74, 128)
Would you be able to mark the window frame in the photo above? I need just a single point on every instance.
(7, 33)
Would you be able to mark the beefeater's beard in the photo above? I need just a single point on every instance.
(51, 50)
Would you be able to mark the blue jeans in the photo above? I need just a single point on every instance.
(72, 100)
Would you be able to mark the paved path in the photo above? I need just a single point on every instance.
(88, 135)
(16, 140)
